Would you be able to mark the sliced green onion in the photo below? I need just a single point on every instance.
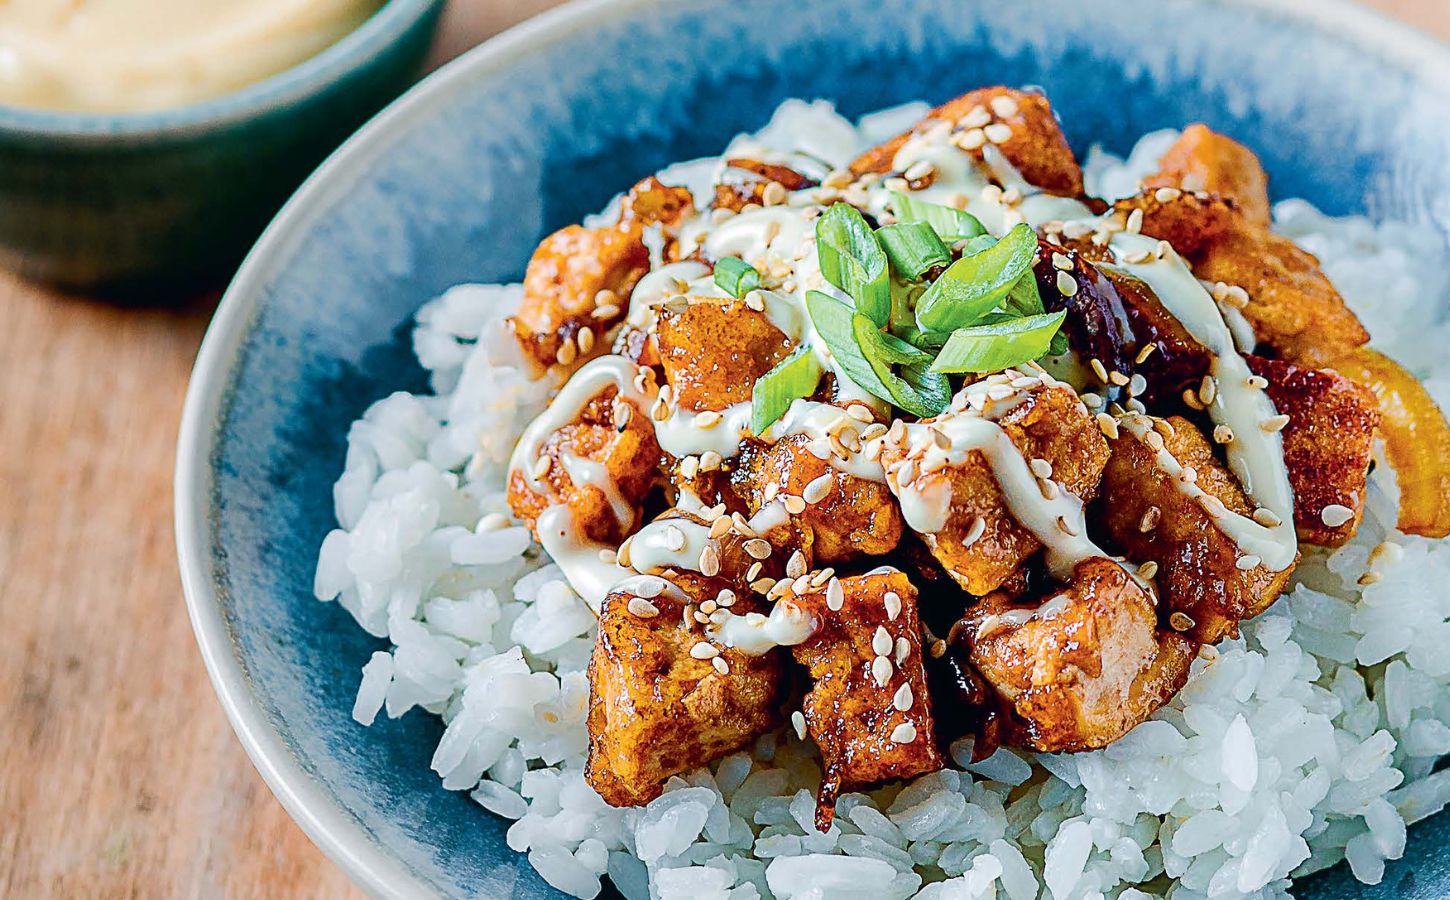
(882, 351)
(974, 285)
(930, 341)
(792, 378)
(990, 348)
(1024, 299)
(950, 224)
(736, 277)
(912, 248)
(933, 389)
(834, 322)
(853, 261)
(976, 245)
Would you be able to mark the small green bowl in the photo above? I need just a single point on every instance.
(159, 203)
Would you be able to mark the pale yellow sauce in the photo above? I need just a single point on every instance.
(135, 55)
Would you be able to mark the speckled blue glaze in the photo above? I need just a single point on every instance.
(460, 179)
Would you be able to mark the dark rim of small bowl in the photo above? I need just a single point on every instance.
(336, 830)
(355, 49)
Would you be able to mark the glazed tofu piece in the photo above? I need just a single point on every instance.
(662, 699)
(721, 545)
(1292, 306)
(1204, 160)
(1187, 221)
(610, 441)
(1328, 446)
(714, 349)
(1081, 669)
(980, 544)
(578, 282)
(868, 708)
(849, 516)
(747, 181)
(1155, 518)
(1032, 140)
(576, 288)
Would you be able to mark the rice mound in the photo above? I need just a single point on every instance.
(1312, 739)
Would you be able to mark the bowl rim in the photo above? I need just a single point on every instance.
(330, 827)
(356, 49)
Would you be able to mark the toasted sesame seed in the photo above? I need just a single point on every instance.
(969, 140)
(622, 555)
(1061, 261)
(567, 352)
(638, 606)
(904, 733)
(674, 538)
(906, 472)
(975, 532)
(709, 607)
(754, 301)
(1335, 515)
(1118, 378)
(1144, 353)
(719, 528)
(795, 567)
(938, 648)
(774, 194)
(1150, 518)
(998, 132)
(1137, 257)
(710, 461)
(757, 548)
(708, 419)
(1369, 578)
(1167, 194)
(835, 595)
(720, 665)
(1066, 527)
(1066, 284)
(881, 642)
(541, 467)
(882, 670)
(1274, 423)
(1041, 467)
(1207, 390)
(1004, 106)
(1244, 563)
(1108, 425)
(1190, 399)
(798, 722)
(1153, 439)
(1267, 517)
(1049, 489)
(704, 650)
(1099, 369)
(1212, 505)
(763, 585)
(976, 117)
(1257, 382)
(903, 650)
(793, 504)
(817, 488)
(607, 556)
(710, 561)
(1137, 384)
(1223, 434)
(918, 170)
(1189, 475)
(1180, 621)
(1148, 569)
(1135, 222)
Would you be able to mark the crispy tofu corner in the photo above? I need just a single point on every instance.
(658, 706)
(868, 708)
(1084, 667)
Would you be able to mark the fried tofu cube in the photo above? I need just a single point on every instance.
(1151, 516)
(1293, 307)
(660, 705)
(1328, 446)
(849, 516)
(1035, 144)
(1085, 666)
(868, 708)
(712, 351)
(747, 181)
(980, 544)
(600, 437)
(1204, 160)
(1187, 221)
(577, 283)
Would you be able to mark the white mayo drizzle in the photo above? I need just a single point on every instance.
(586, 471)
(754, 634)
(1058, 523)
(588, 574)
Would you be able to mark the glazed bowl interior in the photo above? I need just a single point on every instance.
(459, 180)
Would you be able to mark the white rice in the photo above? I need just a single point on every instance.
(1312, 739)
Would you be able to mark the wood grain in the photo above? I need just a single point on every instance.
(119, 776)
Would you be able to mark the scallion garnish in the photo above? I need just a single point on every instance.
(834, 322)
(736, 277)
(913, 248)
(792, 378)
(974, 285)
(950, 224)
(852, 260)
(990, 348)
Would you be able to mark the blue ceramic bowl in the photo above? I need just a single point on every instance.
(142, 205)
(457, 182)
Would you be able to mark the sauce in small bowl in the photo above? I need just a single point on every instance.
(145, 143)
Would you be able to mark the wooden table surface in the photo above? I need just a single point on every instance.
(119, 775)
